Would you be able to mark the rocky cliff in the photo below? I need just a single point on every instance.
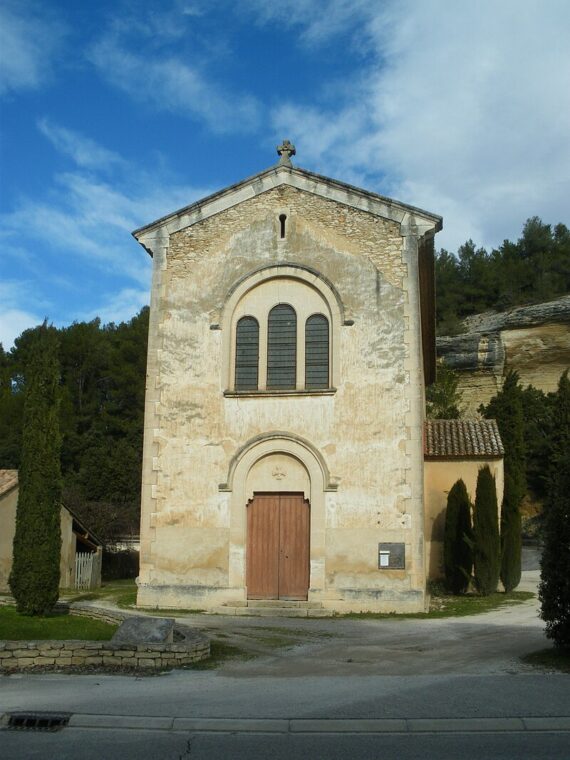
(534, 340)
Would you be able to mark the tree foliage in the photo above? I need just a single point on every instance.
(103, 370)
(458, 539)
(554, 589)
(443, 398)
(538, 427)
(487, 548)
(506, 407)
(34, 579)
(534, 269)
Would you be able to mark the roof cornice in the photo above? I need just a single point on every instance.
(423, 222)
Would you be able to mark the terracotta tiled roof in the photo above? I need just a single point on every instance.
(462, 438)
(8, 480)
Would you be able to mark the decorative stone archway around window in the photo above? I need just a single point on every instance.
(308, 293)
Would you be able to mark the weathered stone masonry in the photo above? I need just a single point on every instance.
(366, 431)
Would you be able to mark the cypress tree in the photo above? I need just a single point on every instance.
(487, 547)
(458, 540)
(554, 589)
(507, 408)
(34, 579)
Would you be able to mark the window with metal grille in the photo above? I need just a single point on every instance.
(317, 352)
(247, 354)
(282, 348)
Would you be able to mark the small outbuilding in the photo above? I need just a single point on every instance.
(455, 449)
(81, 550)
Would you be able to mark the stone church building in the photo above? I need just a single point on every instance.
(291, 339)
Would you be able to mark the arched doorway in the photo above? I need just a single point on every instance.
(277, 462)
(278, 528)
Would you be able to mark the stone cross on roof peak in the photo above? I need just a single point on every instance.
(285, 150)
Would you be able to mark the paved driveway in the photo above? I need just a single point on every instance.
(329, 688)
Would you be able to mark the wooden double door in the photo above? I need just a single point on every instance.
(277, 562)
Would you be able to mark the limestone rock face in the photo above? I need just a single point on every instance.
(534, 340)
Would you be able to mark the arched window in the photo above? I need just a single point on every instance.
(282, 348)
(317, 352)
(247, 354)
(289, 338)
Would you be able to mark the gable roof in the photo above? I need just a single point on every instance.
(412, 221)
(447, 439)
(8, 480)
(278, 175)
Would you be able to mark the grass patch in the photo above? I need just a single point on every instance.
(551, 659)
(276, 641)
(454, 606)
(16, 627)
(107, 590)
(220, 652)
(123, 593)
(127, 599)
(302, 632)
(169, 611)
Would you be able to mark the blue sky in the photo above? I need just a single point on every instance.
(113, 113)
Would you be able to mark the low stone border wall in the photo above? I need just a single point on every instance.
(190, 646)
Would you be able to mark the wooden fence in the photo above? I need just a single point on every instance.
(87, 570)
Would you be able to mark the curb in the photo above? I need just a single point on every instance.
(324, 726)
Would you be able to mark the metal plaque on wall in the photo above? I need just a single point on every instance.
(392, 556)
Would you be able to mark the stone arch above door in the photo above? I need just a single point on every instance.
(257, 460)
(278, 472)
(278, 442)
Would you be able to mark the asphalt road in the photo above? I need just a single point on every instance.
(144, 745)
(319, 688)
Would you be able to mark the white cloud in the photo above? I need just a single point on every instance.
(84, 151)
(169, 83)
(463, 112)
(13, 318)
(29, 39)
(86, 216)
(13, 322)
(121, 306)
(318, 20)
(87, 223)
(92, 220)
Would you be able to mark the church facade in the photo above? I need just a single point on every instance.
(291, 339)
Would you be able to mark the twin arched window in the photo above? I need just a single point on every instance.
(282, 351)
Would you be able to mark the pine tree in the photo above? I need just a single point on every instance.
(506, 407)
(458, 540)
(34, 579)
(487, 548)
(443, 398)
(554, 589)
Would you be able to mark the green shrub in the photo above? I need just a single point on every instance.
(486, 555)
(507, 408)
(458, 540)
(554, 589)
(34, 579)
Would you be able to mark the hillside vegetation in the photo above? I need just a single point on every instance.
(534, 269)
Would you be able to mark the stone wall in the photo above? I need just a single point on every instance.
(53, 655)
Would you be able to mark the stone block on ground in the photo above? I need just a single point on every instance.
(138, 630)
